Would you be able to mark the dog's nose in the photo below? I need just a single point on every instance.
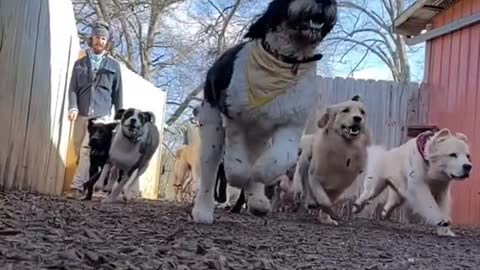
(467, 167)
(357, 119)
(133, 121)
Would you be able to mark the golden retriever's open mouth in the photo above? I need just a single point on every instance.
(352, 130)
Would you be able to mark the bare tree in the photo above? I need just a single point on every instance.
(216, 30)
(138, 41)
(367, 27)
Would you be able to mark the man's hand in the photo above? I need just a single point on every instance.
(72, 115)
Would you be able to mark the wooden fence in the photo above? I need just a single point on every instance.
(38, 46)
(390, 108)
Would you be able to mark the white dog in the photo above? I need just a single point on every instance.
(337, 156)
(420, 172)
(258, 95)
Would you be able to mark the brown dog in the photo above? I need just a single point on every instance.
(186, 160)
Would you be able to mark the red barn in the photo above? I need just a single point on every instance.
(451, 30)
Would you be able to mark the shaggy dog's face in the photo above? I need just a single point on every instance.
(346, 119)
(449, 156)
(133, 121)
(303, 21)
(100, 134)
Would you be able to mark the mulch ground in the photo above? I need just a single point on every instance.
(40, 232)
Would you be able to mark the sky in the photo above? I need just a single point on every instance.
(371, 68)
(182, 24)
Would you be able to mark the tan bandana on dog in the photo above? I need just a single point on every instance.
(268, 77)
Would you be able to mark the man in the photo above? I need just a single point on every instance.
(95, 86)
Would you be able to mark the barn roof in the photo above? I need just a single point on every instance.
(418, 16)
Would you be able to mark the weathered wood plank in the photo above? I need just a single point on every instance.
(33, 92)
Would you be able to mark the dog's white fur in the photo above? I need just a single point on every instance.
(250, 160)
(425, 188)
(130, 157)
(332, 158)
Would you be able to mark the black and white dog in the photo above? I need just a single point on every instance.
(134, 143)
(258, 95)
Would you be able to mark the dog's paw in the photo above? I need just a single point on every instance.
(326, 219)
(357, 208)
(384, 215)
(107, 200)
(259, 205)
(85, 198)
(445, 231)
(446, 222)
(202, 212)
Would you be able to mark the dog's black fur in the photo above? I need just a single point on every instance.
(219, 77)
(275, 15)
(220, 193)
(100, 140)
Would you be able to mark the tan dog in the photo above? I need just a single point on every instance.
(186, 160)
(188, 188)
(338, 154)
(419, 172)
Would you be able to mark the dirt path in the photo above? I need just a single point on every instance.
(52, 233)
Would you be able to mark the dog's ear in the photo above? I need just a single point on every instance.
(90, 126)
(149, 117)
(356, 98)
(119, 114)
(462, 137)
(112, 126)
(442, 135)
(276, 12)
(326, 117)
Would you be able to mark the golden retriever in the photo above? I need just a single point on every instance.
(336, 157)
(419, 172)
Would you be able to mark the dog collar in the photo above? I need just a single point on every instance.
(132, 139)
(289, 59)
(422, 140)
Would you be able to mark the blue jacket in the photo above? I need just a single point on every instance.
(93, 95)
